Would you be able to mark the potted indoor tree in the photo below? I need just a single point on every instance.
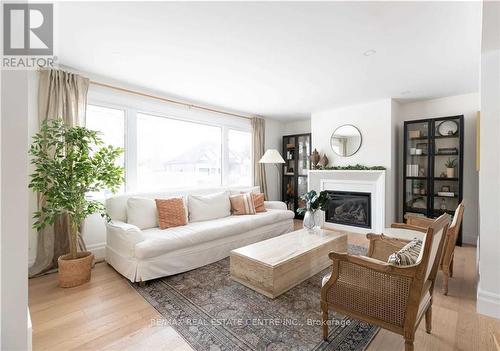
(69, 163)
(450, 167)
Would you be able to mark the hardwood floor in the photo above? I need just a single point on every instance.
(108, 314)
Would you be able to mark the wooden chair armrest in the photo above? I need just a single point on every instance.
(374, 264)
(418, 221)
(382, 246)
(409, 227)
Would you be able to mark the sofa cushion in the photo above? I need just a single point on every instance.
(171, 212)
(207, 207)
(158, 242)
(258, 201)
(242, 204)
(408, 255)
(142, 213)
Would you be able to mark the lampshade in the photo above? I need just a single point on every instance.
(271, 156)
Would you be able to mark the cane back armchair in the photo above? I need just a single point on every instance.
(450, 241)
(390, 296)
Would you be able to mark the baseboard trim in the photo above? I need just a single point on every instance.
(488, 303)
(99, 250)
(469, 238)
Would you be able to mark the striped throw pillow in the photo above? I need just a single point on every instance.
(408, 254)
(258, 201)
(242, 204)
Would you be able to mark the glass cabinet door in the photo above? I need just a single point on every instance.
(304, 150)
(446, 165)
(417, 156)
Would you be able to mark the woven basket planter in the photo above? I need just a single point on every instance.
(74, 272)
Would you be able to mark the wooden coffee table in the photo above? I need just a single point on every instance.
(274, 266)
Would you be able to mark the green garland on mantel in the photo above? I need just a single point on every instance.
(356, 167)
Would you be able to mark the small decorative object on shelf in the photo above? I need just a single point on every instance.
(448, 128)
(450, 167)
(445, 188)
(443, 205)
(315, 157)
(414, 134)
(416, 187)
(313, 202)
(323, 162)
(423, 147)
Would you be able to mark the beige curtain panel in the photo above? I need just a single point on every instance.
(259, 138)
(61, 95)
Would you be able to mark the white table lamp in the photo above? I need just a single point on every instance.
(273, 156)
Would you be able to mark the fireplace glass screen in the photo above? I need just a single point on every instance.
(349, 208)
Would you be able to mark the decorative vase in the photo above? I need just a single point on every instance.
(315, 156)
(309, 221)
(74, 271)
(323, 162)
(450, 172)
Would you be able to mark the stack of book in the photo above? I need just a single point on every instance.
(447, 151)
(446, 193)
(412, 170)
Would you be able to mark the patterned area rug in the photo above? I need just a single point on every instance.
(212, 312)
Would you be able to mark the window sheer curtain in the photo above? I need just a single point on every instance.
(259, 138)
(61, 95)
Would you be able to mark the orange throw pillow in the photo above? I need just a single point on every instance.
(171, 212)
(242, 204)
(258, 202)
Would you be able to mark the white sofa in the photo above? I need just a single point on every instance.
(141, 255)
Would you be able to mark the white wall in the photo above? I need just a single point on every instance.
(297, 127)
(467, 105)
(15, 210)
(375, 121)
(488, 291)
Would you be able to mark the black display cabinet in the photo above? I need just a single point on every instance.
(296, 153)
(433, 166)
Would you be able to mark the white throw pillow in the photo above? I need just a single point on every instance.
(206, 207)
(142, 212)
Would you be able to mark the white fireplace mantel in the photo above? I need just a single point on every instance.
(368, 181)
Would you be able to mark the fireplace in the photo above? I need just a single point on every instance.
(349, 208)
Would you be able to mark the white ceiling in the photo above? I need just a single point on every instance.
(281, 60)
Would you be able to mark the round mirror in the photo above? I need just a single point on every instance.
(346, 140)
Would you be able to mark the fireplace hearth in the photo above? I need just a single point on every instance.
(349, 208)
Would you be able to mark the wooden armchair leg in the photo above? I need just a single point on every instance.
(446, 277)
(408, 345)
(428, 320)
(451, 266)
(324, 320)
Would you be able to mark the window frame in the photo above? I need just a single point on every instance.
(135, 106)
(125, 133)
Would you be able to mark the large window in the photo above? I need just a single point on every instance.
(239, 146)
(110, 122)
(174, 153)
(171, 147)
